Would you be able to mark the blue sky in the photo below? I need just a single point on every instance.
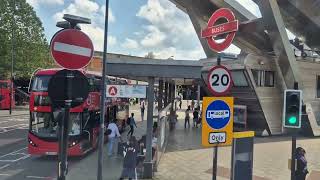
(136, 27)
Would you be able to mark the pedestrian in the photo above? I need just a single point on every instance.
(187, 118)
(192, 104)
(195, 117)
(142, 108)
(132, 123)
(114, 133)
(302, 168)
(180, 100)
(130, 160)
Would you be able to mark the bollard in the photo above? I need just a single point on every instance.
(242, 156)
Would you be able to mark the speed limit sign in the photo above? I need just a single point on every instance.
(219, 80)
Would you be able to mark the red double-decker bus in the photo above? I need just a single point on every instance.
(84, 119)
(5, 89)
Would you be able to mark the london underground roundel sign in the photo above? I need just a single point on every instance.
(71, 49)
(219, 80)
(213, 29)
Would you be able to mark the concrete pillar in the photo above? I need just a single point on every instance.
(198, 96)
(166, 91)
(170, 93)
(148, 160)
(160, 97)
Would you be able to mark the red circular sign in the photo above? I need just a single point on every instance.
(229, 28)
(113, 91)
(71, 49)
(219, 80)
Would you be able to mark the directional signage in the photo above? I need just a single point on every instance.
(213, 30)
(126, 91)
(219, 80)
(217, 121)
(71, 49)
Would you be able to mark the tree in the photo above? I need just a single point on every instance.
(19, 21)
(150, 55)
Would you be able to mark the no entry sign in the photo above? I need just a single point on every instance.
(213, 30)
(219, 80)
(71, 49)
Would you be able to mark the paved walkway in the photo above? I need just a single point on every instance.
(185, 159)
(87, 168)
(112, 166)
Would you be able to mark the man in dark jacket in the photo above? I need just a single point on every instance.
(302, 169)
(130, 160)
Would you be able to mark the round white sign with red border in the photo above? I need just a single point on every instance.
(71, 49)
(219, 80)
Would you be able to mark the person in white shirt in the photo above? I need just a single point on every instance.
(112, 136)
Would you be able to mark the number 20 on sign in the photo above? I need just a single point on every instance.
(217, 121)
(219, 80)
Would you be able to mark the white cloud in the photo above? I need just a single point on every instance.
(88, 9)
(153, 38)
(96, 34)
(111, 17)
(36, 3)
(251, 6)
(112, 40)
(130, 44)
(166, 17)
(95, 30)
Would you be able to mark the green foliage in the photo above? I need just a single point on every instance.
(31, 49)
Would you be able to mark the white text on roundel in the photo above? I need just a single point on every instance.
(219, 80)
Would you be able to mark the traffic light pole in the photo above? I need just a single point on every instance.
(293, 146)
(293, 158)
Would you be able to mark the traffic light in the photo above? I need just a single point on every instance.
(292, 107)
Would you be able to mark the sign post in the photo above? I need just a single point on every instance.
(217, 129)
(217, 124)
(71, 49)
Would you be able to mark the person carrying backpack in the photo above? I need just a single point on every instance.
(130, 153)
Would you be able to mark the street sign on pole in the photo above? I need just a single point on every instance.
(58, 88)
(217, 121)
(213, 30)
(71, 49)
(219, 80)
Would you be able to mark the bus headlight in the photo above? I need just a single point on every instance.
(32, 143)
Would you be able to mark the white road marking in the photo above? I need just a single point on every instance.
(2, 167)
(14, 152)
(72, 49)
(38, 177)
(3, 122)
(18, 126)
(5, 174)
